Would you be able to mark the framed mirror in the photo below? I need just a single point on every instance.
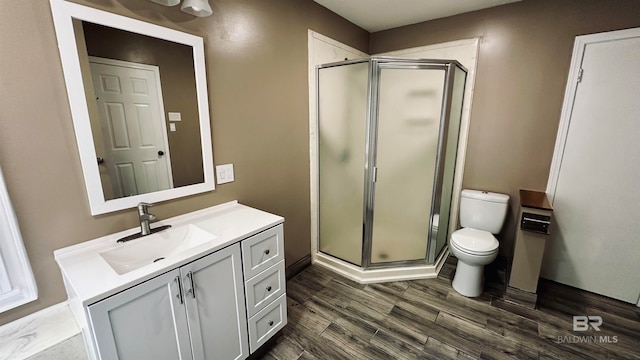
(139, 103)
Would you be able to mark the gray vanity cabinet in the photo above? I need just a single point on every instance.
(196, 311)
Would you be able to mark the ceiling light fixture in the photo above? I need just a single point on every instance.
(199, 8)
(167, 2)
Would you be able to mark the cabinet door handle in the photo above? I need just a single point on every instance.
(179, 294)
(268, 287)
(192, 290)
(270, 322)
(266, 251)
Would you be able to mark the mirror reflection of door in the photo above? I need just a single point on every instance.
(134, 136)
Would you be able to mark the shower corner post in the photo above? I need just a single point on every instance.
(314, 149)
(448, 158)
(370, 160)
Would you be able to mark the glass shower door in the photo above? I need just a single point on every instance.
(408, 127)
(342, 117)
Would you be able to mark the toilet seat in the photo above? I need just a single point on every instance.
(474, 242)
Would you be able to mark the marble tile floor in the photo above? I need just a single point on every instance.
(71, 349)
(331, 317)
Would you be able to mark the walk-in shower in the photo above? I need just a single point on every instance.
(387, 143)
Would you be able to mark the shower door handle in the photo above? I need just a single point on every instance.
(375, 174)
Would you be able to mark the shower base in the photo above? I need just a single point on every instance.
(378, 275)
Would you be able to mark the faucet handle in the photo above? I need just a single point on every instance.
(142, 207)
(147, 217)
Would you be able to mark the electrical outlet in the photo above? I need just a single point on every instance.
(224, 173)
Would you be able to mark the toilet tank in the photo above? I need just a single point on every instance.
(483, 210)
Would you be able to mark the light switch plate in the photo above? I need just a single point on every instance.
(175, 116)
(224, 173)
(172, 127)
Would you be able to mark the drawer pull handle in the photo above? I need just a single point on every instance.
(266, 252)
(269, 288)
(270, 323)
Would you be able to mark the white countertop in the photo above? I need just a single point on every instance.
(90, 278)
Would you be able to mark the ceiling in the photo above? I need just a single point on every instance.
(376, 15)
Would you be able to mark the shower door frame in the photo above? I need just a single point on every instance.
(375, 66)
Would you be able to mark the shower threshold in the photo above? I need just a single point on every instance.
(378, 275)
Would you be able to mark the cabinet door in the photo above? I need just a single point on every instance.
(147, 321)
(214, 296)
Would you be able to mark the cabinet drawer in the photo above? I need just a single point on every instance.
(265, 287)
(267, 322)
(262, 251)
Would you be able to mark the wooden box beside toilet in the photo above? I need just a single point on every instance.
(534, 218)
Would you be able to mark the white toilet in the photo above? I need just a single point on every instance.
(481, 215)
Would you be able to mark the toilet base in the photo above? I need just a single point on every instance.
(469, 279)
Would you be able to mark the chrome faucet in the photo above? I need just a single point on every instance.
(144, 216)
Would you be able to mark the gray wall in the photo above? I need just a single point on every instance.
(523, 63)
(256, 58)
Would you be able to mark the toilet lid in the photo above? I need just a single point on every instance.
(474, 241)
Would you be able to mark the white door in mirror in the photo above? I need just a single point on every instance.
(136, 147)
(224, 173)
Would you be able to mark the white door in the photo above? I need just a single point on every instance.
(132, 121)
(147, 321)
(214, 297)
(595, 181)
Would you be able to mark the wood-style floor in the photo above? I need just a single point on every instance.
(331, 317)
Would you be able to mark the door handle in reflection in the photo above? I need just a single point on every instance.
(160, 153)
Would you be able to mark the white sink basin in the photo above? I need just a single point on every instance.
(146, 250)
